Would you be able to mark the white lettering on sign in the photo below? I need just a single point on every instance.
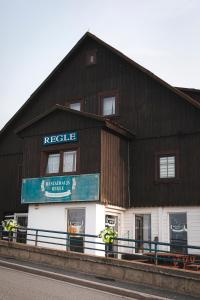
(46, 140)
(60, 138)
(53, 139)
(72, 136)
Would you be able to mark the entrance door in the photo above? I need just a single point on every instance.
(112, 221)
(142, 232)
(178, 232)
(76, 224)
(22, 220)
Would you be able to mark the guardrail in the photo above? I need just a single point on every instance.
(155, 252)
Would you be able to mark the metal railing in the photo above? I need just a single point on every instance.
(154, 252)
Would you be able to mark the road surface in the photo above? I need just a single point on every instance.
(18, 285)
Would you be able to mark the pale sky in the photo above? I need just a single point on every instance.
(35, 35)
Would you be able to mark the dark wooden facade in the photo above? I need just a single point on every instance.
(114, 170)
(162, 118)
(101, 149)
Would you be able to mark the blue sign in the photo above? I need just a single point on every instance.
(61, 138)
(60, 189)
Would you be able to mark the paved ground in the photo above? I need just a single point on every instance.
(78, 278)
(18, 285)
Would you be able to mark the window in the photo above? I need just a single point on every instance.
(75, 106)
(61, 162)
(167, 167)
(108, 104)
(69, 161)
(53, 163)
(91, 57)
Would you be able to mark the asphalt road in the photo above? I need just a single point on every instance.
(16, 285)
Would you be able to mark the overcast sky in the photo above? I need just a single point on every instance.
(161, 35)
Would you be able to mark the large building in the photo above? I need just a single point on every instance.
(104, 141)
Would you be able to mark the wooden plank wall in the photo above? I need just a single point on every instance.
(146, 190)
(146, 107)
(11, 184)
(114, 170)
(88, 145)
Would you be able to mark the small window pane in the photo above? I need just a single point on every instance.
(92, 59)
(163, 160)
(108, 106)
(53, 163)
(167, 167)
(171, 159)
(69, 161)
(75, 106)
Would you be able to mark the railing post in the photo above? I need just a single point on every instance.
(10, 235)
(156, 253)
(106, 249)
(36, 237)
(67, 240)
(150, 246)
(1, 232)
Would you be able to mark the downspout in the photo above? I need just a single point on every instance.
(129, 194)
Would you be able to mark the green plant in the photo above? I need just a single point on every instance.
(108, 235)
(10, 226)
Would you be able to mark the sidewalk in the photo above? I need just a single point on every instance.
(100, 283)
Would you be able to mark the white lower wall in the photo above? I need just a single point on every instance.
(160, 223)
(54, 217)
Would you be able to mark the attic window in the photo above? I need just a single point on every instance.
(91, 57)
(76, 104)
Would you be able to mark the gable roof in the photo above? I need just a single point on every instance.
(105, 122)
(177, 91)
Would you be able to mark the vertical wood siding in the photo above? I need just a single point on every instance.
(88, 143)
(11, 184)
(114, 170)
(147, 191)
(145, 107)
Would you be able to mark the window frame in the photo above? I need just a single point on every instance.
(163, 154)
(60, 150)
(108, 94)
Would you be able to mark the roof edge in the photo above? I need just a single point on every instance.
(176, 90)
(146, 71)
(106, 122)
(42, 84)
